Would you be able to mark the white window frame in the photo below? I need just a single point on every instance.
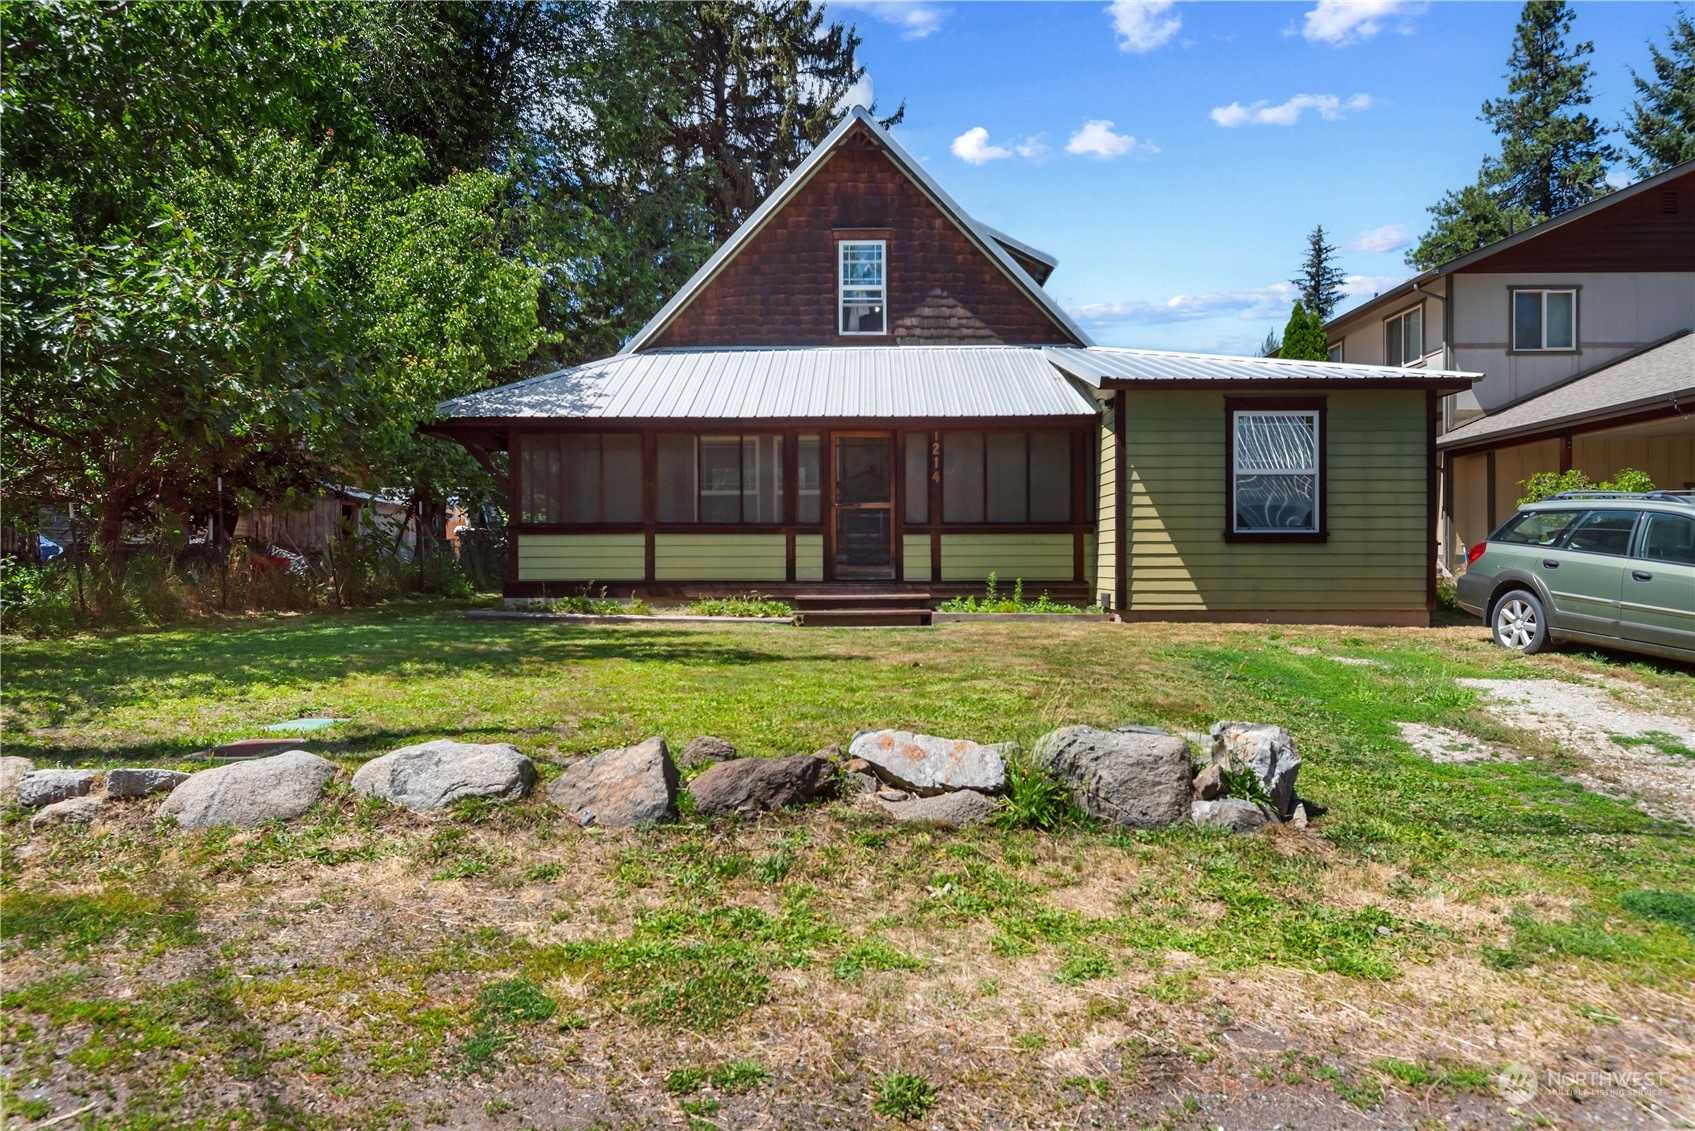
(863, 296)
(1236, 471)
(1403, 362)
(1333, 352)
(1544, 292)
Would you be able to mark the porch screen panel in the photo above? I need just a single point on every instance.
(720, 478)
(621, 477)
(539, 471)
(1008, 486)
(811, 479)
(917, 478)
(580, 494)
(1050, 477)
(676, 472)
(762, 479)
(962, 477)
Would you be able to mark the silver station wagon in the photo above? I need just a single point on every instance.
(1597, 567)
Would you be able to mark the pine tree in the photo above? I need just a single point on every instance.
(1272, 346)
(1303, 337)
(1661, 128)
(1320, 280)
(1465, 221)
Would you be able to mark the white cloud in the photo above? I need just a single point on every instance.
(861, 93)
(1368, 286)
(1143, 25)
(973, 147)
(1252, 303)
(1263, 113)
(1032, 148)
(1390, 237)
(1096, 139)
(915, 18)
(1338, 22)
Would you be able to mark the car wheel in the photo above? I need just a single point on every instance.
(1519, 622)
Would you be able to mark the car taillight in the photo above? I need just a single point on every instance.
(1476, 552)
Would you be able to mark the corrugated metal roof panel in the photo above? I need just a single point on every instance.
(1097, 364)
(865, 382)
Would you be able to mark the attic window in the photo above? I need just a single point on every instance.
(863, 286)
(1668, 201)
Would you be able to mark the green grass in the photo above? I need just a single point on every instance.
(903, 1095)
(1660, 740)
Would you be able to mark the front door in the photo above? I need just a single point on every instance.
(864, 507)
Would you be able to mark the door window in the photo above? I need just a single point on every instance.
(1668, 538)
(1603, 532)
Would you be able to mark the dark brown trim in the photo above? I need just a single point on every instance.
(936, 505)
(1489, 488)
(650, 502)
(1565, 451)
(1233, 405)
(1121, 506)
(1272, 385)
(514, 503)
(1432, 423)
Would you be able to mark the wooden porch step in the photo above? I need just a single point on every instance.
(863, 618)
(804, 602)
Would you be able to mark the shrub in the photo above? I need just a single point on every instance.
(1034, 800)
(752, 605)
(993, 602)
(1545, 484)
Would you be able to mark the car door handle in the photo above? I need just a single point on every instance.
(1641, 575)
(1550, 563)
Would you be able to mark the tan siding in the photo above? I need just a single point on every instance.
(581, 557)
(915, 557)
(1033, 557)
(1374, 559)
(809, 557)
(1105, 566)
(719, 557)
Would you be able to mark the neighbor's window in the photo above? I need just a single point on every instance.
(720, 479)
(1544, 320)
(1275, 473)
(1006, 477)
(1403, 338)
(863, 286)
(581, 478)
(1334, 353)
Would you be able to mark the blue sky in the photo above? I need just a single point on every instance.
(1174, 156)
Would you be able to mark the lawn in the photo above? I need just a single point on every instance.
(495, 967)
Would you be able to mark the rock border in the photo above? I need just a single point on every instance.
(619, 618)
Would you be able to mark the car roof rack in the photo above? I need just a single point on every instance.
(1657, 496)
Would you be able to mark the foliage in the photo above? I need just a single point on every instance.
(1034, 800)
(583, 604)
(1245, 784)
(1553, 155)
(752, 605)
(1304, 338)
(1272, 345)
(1661, 125)
(993, 602)
(1320, 280)
(1545, 484)
(903, 1095)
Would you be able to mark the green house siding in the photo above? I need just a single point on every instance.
(915, 557)
(1376, 554)
(1103, 562)
(1033, 557)
(809, 557)
(720, 557)
(581, 557)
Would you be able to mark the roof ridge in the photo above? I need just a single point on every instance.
(1275, 362)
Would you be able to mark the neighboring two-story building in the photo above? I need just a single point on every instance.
(1584, 330)
(867, 389)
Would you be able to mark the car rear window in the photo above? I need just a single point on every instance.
(1603, 532)
(1669, 538)
(1536, 528)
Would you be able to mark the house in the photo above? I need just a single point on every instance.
(1583, 327)
(336, 514)
(866, 389)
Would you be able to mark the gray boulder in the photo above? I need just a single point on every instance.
(947, 810)
(755, 785)
(44, 787)
(1230, 813)
(705, 751)
(929, 765)
(1209, 783)
(12, 771)
(633, 785)
(1131, 778)
(433, 775)
(139, 781)
(1269, 751)
(71, 811)
(278, 788)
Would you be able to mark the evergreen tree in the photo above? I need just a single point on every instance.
(1320, 280)
(1303, 337)
(1272, 346)
(1661, 128)
(1465, 221)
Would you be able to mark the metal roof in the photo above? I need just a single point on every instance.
(1662, 374)
(1098, 365)
(849, 382)
(976, 232)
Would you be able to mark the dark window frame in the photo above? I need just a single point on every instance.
(1234, 405)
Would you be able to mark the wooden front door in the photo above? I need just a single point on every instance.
(863, 506)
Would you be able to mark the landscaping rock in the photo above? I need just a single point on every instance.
(12, 771)
(1299, 817)
(1131, 778)
(633, 785)
(830, 753)
(1269, 751)
(139, 781)
(71, 811)
(948, 810)
(928, 765)
(1229, 813)
(44, 787)
(856, 783)
(278, 788)
(755, 785)
(433, 775)
(705, 751)
(1209, 783)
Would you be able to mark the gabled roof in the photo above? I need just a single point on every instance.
(1660, 375)
(1533, 232)
(990, 242)
(1104, 367)
(793, 384)
(1019, 248)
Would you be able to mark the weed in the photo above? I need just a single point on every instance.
(901, 1095)
(1083, 966)
(993, 602)
(514, 1001)
(1245, 784)
(872, 954)
(1035, 800)
(737, 1076)
(751, 605)
(1441, 1076)
(682, 1081)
